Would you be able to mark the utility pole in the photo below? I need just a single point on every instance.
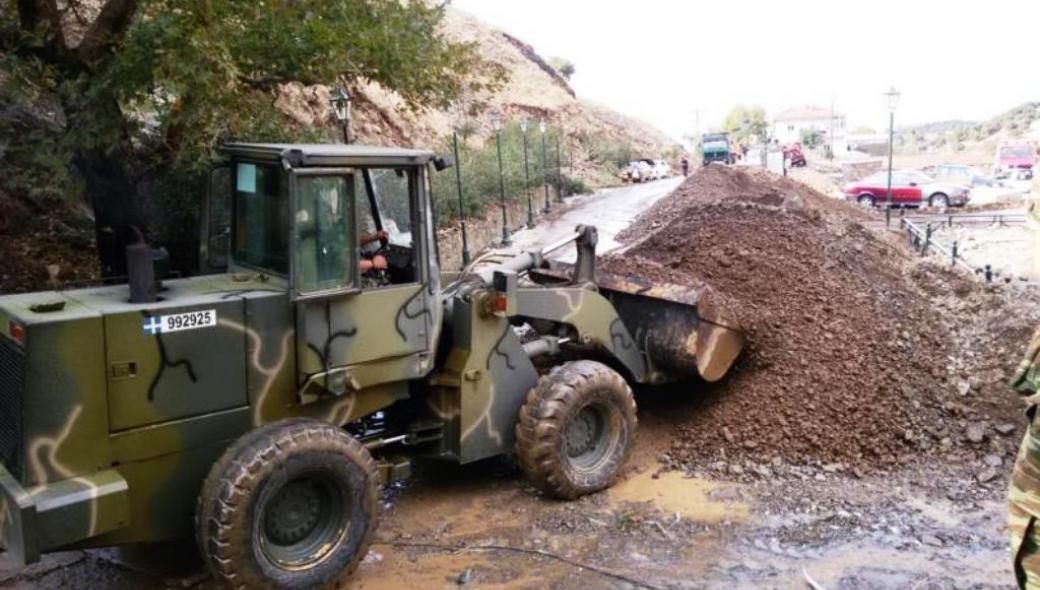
(893, 101)
(697, 132)
(830, 142)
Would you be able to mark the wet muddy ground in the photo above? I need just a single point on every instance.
(481, 526)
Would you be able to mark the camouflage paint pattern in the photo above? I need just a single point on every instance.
(121, 425)
(1024, 493)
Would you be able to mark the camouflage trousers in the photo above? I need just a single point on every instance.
(1024, 508)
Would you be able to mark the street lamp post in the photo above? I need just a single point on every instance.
(340, 102)
(527, 175)
(893, 101)
(559, 176)
(545, 171)
(462, 205)
(496, 123)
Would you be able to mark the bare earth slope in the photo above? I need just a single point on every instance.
(534, 89)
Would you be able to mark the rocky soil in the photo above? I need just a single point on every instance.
(860, 356)
(41, 238)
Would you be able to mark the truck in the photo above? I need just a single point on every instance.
(716, 148)
(1015, 157)
(261, 406)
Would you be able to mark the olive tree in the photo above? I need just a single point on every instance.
(148, 88)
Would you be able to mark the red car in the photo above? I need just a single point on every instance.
(794, 155)
(910, 188)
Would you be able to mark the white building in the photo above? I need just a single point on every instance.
(790, 125)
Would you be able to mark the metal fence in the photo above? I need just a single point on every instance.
(522, 169)
(920, 232)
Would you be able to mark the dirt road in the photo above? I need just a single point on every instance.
(481, 526)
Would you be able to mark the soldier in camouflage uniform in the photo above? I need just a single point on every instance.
(1024, 496)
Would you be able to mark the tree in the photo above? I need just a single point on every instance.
(148, 88)
(743, 122)
(812, 138)
(564, 66)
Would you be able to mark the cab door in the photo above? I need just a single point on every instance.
(354, 314)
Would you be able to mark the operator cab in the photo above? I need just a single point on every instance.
(347, 231)
(331, 217)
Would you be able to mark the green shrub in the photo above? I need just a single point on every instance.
(480, 173)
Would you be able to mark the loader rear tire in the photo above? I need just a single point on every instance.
(290, 505)
(576, 429)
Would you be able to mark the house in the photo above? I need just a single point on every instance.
(793, 124)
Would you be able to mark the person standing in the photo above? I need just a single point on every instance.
(1024, 492)
(685, 166)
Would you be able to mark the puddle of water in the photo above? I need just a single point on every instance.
(671, 492)
(882, 567)
(389, 568)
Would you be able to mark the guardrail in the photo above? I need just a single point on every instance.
(961, 219)
(921, 239)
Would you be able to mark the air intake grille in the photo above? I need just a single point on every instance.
(12, 383)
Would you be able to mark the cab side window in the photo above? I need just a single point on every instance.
(325, 226)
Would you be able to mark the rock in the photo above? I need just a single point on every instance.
(975, 433)
(986, 475)
(736, 469)
(1005, 429)
(993, 460)
(464, 577)
(932, 541)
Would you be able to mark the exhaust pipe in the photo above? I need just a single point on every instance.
(141, 263)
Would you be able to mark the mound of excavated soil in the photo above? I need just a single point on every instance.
(854, 357)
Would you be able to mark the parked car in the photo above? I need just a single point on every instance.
(910, 188)
(637, 171)
(662, 169)
(962, 174)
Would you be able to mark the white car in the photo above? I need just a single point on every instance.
(637, 171)
(662, 169)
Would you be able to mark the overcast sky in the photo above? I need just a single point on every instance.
(660, 60)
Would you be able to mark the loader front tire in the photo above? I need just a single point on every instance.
(576, 429)
(290, 505)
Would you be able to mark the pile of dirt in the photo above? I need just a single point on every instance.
(853, 357)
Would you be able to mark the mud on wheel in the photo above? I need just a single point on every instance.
(575, 429)
(290, 505)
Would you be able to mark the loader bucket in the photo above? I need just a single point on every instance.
(684, 331)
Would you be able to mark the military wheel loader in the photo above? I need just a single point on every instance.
(261, 406)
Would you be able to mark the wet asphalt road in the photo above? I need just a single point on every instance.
(610, 210)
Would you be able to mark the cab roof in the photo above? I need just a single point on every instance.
(331, 154)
